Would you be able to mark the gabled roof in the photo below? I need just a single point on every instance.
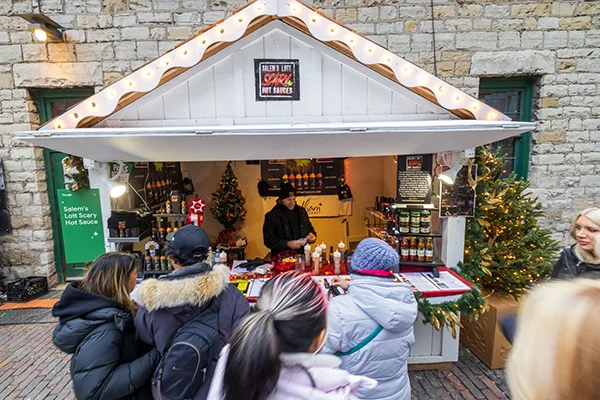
(245, 21)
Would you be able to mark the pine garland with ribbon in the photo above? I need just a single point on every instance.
(445, 314)
(75, 170)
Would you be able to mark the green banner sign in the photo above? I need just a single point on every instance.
(81, 222)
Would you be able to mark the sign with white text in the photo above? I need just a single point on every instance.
(277, 80)
(81, 222)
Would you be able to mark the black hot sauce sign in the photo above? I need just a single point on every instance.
(277, 79)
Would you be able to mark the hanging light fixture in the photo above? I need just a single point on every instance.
(43, 27)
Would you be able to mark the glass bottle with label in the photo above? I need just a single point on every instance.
(298, 181)
(284, 178)
(305, 179)
(148, 261)
(163, 186)
(413, 249)
(319, 180)
(292, 178)
(405, 249)
(421, 250)
(311, 179)
(149, 194)
(429, 250)
(154, 189)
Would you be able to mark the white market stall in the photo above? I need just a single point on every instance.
(199, 102)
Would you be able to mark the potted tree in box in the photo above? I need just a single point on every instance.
(506, 252)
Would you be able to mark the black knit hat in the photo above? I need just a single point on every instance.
(286, 190)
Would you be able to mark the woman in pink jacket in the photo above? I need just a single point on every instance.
(273, 354)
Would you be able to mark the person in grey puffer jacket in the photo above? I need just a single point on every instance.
(166, 304)
(374, 300)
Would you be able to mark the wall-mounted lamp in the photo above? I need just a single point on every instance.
(43, 27)
(455, 160)
(116, 189)
(449, 176)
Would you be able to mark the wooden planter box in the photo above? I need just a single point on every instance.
(484, 337)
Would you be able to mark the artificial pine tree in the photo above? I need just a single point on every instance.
(228, 206)
(505, 250)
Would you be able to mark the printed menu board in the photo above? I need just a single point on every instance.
(458, 200)
(414, 179)
(317, 176)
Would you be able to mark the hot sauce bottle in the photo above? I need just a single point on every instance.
(421, 250)
(319, 180)
(405, 249)
(311, 179)
(292, 178)
(305, 179)
(298, 181)
(413, 249)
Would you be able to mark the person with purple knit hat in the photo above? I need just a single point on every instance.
(371, 328)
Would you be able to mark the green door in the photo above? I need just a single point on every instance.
(51, 104)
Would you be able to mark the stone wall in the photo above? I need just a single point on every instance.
(556, 42)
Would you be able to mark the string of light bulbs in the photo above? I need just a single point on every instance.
(231, 29)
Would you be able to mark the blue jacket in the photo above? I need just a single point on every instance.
(166, 304)
(373, 301)
(107, 362)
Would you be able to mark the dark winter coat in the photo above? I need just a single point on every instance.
(282, 225)
(100, 333)
(166, 304)
(569, 266)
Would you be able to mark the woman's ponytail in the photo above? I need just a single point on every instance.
(291, 312)
(253, 365)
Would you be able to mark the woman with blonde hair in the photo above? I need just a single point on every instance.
(556, 353)
(273, 354)
(96, 326)
(583, 258)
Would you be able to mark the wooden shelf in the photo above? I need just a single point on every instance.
(433, 235)
(169, 215)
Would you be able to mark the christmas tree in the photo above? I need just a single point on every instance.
(228, 206)
(505, 250)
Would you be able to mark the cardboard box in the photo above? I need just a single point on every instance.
(484, 337)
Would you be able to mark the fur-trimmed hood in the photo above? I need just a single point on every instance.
(185, 290)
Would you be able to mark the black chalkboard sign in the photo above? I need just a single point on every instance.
(458, 200)
(317, 176)
(414, 179)
(277, 80)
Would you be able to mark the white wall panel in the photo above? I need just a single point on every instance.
(333, 89)
(202, 95)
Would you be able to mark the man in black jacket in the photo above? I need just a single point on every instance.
(287, 224)
(166, 304)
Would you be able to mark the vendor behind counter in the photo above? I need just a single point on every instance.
(287, 226)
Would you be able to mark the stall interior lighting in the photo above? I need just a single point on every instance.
(234, 27)
(115, 189)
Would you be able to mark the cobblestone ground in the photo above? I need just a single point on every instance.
(32, 368)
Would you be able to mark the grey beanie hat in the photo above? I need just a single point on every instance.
(375, 255)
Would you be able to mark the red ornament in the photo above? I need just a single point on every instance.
(196, 212)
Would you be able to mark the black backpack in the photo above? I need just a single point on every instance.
(183, 366)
